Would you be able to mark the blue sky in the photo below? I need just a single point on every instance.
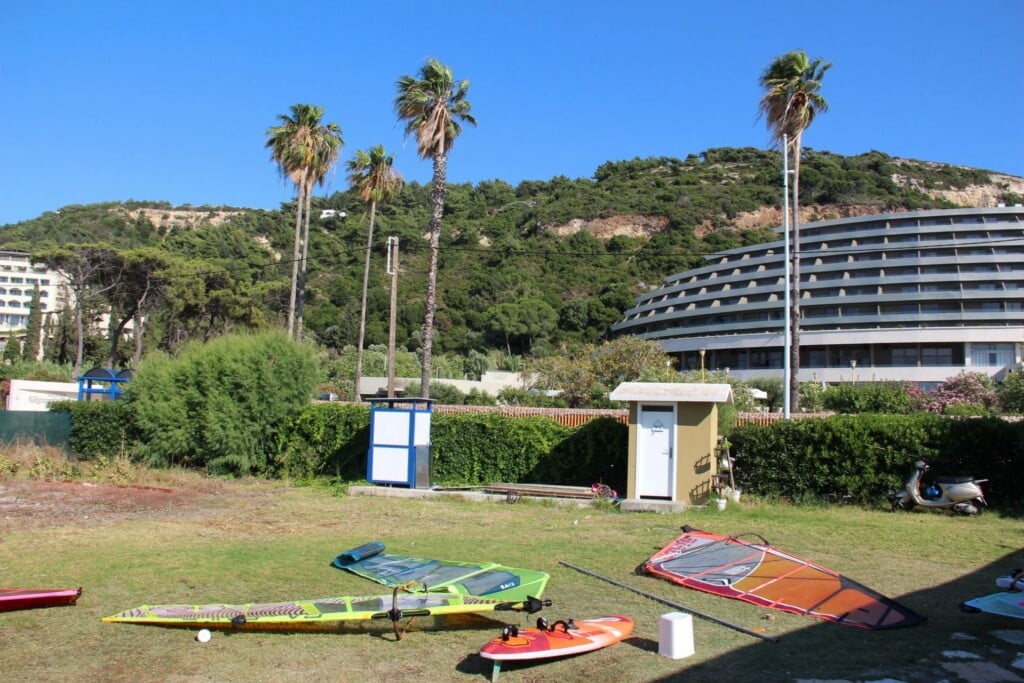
(108, 101)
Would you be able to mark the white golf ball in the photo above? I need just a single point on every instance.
(204, 636)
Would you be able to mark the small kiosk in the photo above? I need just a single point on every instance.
(400, 442)
(102, 384)
(673, 435)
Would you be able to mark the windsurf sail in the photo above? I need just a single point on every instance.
(31, 598)
(319, 614)
(756, 572)
(483, 579)
(1008, 603)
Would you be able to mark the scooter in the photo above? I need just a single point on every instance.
(959, 494)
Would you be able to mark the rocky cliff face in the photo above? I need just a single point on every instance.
(771, 216)
(181, 218)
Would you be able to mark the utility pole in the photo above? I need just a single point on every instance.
(392, 270)
(787, 343)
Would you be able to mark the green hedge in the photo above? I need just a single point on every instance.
(327, 439)
(859, 458)
(99, 428)
(862, 458)
(470, 449)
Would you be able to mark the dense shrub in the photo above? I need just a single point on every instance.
(867, 397)
(225, 405)
(967, 387)
(1011, 393)
(862, 458)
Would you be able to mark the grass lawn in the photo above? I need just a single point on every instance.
(192, 540)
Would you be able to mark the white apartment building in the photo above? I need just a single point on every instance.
(19, 278)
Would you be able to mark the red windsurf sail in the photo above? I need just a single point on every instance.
(30, 598)
(758, 573)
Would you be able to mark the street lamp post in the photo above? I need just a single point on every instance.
(853, 370)
(702, 352)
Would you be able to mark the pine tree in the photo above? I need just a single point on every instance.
(31, 348)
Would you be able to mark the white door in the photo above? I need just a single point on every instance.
(655, 466)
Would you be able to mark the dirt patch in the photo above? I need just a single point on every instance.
(32, 503)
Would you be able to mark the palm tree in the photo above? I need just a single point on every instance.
(301, 146)
(328, 146)
(790, 103)
(432, 106)
(375, 180)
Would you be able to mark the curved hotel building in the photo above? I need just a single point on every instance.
(914, 296)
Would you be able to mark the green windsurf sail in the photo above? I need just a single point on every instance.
(483, 579)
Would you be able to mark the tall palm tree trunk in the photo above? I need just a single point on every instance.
(437, 197)
(362, 305)
(393, 318)
(794, 350)
(300, 303)
(296, 251)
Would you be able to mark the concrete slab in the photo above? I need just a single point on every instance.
(645, 505)
(627, 504)
(474, 496)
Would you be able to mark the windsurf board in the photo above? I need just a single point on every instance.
(31, 598)
(560, 639)
(318, 614)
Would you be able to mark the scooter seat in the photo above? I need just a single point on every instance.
(958, 479)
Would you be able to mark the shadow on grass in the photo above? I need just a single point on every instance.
(949, 644)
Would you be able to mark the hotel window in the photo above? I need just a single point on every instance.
(859, 310)
(904, 355)
(860, 274)
(983, 307)
(940, 307)
(813, 358)
(899, 309)
(900, 272)
(996, 355)
(936, 356)
(899, 289)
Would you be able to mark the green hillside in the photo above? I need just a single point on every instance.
(523, 268)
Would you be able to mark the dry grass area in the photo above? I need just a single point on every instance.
(181, 538)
